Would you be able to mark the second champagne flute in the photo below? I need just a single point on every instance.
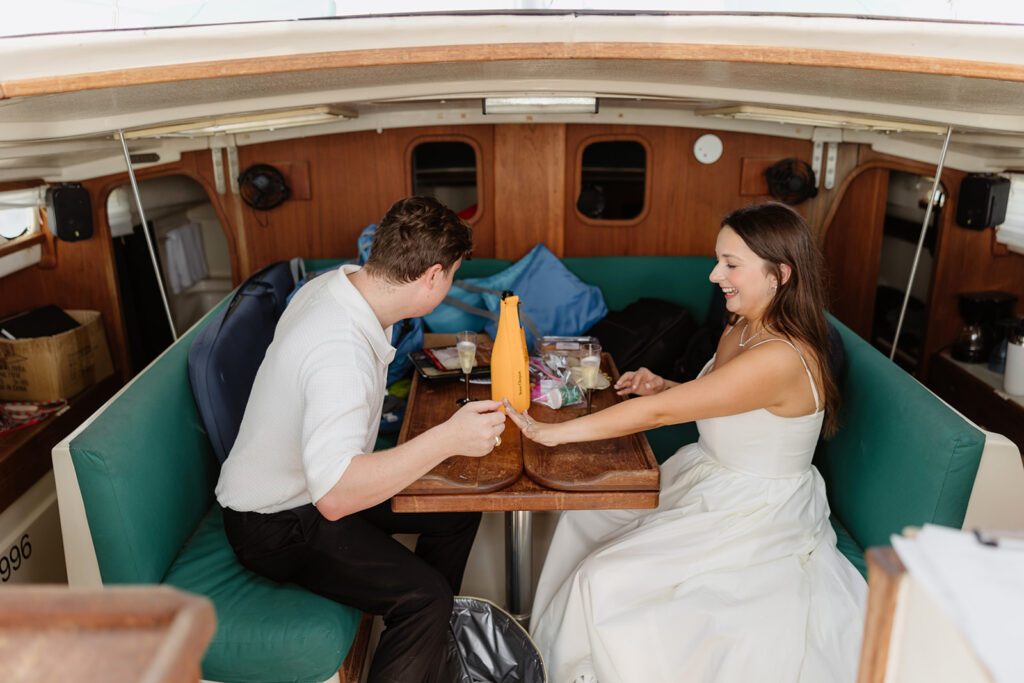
(590, 366)
(465, 344)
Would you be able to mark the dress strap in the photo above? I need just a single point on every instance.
(814, 388)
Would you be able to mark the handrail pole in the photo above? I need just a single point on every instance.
(145, 231)
(920, 241)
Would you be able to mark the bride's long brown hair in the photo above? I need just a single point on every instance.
(778, 234)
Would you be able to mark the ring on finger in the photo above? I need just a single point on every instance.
(497, 441)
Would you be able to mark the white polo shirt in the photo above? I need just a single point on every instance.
(316, 401)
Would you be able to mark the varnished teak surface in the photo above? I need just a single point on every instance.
(522, 475)
(625, 463)
(431, 403)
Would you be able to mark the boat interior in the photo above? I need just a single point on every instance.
(594, 133)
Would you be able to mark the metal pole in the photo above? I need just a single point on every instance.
(920, 240)
(519, 564)
(145, 231)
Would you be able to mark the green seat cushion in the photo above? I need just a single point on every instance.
(267, 632)
(901, 457)
(849, 547)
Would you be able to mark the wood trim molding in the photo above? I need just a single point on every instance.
(883, 161)
(749, 54)
(885, 573)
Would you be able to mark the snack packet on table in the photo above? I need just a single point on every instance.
(550, 388)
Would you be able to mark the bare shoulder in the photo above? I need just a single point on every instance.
(784, 360)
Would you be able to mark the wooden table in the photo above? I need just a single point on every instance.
(521, 476)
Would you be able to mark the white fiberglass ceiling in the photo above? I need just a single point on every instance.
(60, 16)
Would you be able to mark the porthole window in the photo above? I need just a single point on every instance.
(447, 170)
(613, 176)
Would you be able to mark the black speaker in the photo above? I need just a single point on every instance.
(982, 203)
(69, 212)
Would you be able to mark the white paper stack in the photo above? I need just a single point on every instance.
(980, 587)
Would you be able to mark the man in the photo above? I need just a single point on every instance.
(305, 496)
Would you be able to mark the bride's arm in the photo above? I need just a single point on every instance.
(760, 378)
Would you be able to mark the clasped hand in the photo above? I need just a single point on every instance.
(532, 429)
(476, 428)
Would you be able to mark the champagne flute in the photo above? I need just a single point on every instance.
(465, 344)
(590, 366)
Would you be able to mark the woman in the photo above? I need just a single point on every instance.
(735, 575)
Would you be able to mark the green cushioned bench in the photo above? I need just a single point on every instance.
(135, 483)
(141, 473)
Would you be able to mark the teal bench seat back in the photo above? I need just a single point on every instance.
(901, 456)
(147, 471)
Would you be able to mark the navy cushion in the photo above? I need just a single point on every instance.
(227, 352)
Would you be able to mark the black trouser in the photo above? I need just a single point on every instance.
(354, 561)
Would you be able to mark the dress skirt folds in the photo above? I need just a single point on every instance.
(734, 577)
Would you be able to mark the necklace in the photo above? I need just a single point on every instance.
(743, 343)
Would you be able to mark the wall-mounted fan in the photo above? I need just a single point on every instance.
(791, 181)
(263, 187)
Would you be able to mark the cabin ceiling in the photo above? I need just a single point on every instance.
(975, 102)
(65, 132)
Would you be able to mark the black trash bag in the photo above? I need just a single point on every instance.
(486, 645)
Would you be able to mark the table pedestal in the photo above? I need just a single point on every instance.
(519, 564)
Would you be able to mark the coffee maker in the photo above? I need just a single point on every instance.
(980, 311)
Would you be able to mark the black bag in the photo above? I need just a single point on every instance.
(650, 333)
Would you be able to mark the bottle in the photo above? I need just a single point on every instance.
(510, 374)
(1013, 378)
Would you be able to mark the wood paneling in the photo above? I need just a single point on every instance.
(853, 246)
(752, 179)
(529, 174)
(965, 261)
(688, 199)
(353, 179)
(83, 278)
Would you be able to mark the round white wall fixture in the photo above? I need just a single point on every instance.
(708, 148)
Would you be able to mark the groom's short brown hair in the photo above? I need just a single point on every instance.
(414, 234)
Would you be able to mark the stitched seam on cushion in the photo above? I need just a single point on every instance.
(957, 445)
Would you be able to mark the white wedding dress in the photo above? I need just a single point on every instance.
(733, 578)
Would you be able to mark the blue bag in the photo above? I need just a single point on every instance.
(553, 301)
(406, 337)
(465, 308)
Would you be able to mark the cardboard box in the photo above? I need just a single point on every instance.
(60, 366)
